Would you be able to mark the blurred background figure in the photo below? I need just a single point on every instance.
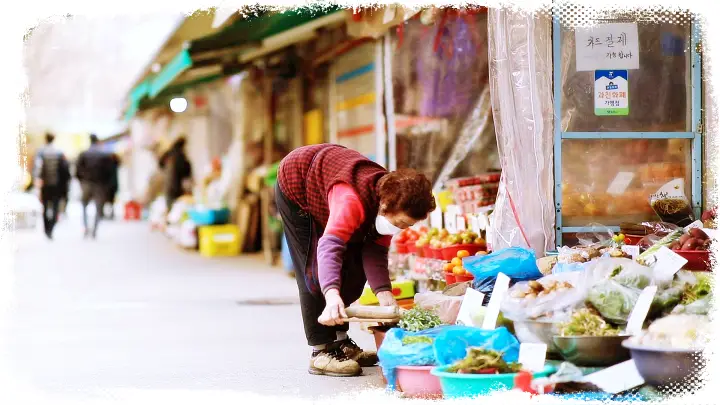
(94, 170)
(178, 169)
(52, 172)
(114, 184)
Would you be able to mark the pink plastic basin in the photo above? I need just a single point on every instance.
(417, 382)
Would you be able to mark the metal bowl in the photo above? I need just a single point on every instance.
(536, 332)
(592, 351)
(667, 367)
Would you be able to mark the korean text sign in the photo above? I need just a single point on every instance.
(607, 47)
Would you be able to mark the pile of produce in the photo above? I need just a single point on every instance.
(676, 332)
(709, 218)
(441, 238)
(483, 361)
(537, 289)
(419, 319)
(667, 241)
(587, 322)
(410, 235)
(455, 266)
(694, 239)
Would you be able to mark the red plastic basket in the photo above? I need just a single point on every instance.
(401, 248)
(698, 260)
(420, 251)
(450, 278)
(450, 252)
(428, 252)
(437, 254)
(461, 278)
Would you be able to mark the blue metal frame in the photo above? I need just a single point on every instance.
(695, 135)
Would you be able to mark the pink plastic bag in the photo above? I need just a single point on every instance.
(447, 307)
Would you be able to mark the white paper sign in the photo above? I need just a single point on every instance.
(632, 250)
(475, 224)
(639, 313)
(697, 224)
(450, 222)
(461, 223)
(502, 284)
(667, 263)
(470, 307)
(436, 219)
(620, 183)
(616, 379)
(532, 356)
(606, 47)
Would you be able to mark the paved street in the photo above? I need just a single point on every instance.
(132, 311)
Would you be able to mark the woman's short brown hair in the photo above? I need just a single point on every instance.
(408, 191)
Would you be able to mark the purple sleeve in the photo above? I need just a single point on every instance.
(330, 254)
(375, 262)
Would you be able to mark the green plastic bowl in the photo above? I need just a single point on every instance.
(471, 385)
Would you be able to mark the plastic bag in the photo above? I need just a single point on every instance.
(517, 263)
(633, 275)
(447, 307)
(698, 307)
(450, 344)
(557, 305)
(598, 236)
(665, 301)
(613, 301)
(672, 205)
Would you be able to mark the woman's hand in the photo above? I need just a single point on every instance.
(386, 299)
(334, 310)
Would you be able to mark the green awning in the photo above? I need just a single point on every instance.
(160, 88)
(172, 70)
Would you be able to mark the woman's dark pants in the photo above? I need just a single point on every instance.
(299, 228)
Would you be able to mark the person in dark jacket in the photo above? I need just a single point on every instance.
(52, 172)
(339, 211)
(114, 184)
(94, 171)
(179, 171)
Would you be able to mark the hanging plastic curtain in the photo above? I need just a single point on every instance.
(521, 86)
(440, 70)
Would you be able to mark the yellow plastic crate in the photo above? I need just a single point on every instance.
(400, 290)
(219, 240)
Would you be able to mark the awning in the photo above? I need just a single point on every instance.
(242, 37)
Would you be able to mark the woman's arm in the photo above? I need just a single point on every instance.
(346, 216)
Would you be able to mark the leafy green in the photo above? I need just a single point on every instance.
(586, 323)
(479, 359)
(411, 340)
(418, 319)
(666, 241)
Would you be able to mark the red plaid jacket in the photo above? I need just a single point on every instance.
(308, 173)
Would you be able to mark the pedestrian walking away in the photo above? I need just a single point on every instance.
(339, 211)
(94, 171)
(52, 172)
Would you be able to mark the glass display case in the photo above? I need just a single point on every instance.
(623, 132)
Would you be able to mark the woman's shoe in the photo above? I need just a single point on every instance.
(334, 363)
(354, 352)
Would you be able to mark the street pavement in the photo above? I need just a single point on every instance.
(132, 311)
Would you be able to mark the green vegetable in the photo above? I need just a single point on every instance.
(418, 319)
(665, 301)
(632, 278)
(411, 340)
(666, 241)
(586, 323)
(613, 301)
(479, 359)
(616, 271)
(699, 290)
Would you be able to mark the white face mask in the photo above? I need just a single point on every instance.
(385, 227)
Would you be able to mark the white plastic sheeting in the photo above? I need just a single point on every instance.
(521, 86)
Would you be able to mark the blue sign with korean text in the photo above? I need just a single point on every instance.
(611, 92)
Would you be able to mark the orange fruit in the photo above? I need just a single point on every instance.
(463, 253)
(456, 261)
(458, 270)
(448, 267)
